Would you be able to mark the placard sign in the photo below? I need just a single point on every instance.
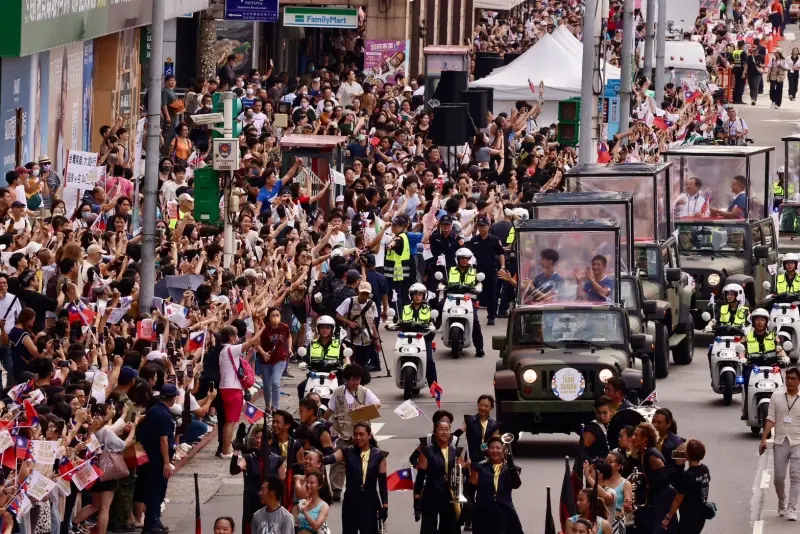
(568, 384)
(82, 170)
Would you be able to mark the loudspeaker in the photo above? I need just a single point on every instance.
(450, 126)
(489, 98)
(476, 100)
(451, 83)
(509, 57)
(485, 63)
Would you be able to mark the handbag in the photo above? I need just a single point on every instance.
(245, 374)
(135, 456)
(709, 510)
(177, 106)
(113, 466)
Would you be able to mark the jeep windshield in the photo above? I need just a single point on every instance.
(701, 237)
(541, 328)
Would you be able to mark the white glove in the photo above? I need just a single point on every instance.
(743, 361)
(785, 360)
(709, 328)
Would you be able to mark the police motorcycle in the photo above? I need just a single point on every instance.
(458, 309)
(784, 312)
(723, 361)
(410, 349)
(764, 370)
(322, 376)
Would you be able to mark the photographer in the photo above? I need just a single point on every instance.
(358, 315)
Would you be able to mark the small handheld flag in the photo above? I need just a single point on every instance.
(400, 480)
(196, 341)
(252, 413)
(436, 393)
(197, 524)
(653, 397)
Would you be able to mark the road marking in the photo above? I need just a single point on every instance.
(766, 476)
(780, 120)
(376, 427)
(758, 527)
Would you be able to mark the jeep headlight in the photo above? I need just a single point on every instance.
(713, 279)
(529, 376)
(604, 375)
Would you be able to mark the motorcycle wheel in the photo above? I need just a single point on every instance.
(455, 342)
(408, 379)
(727, 389)
(661, 355)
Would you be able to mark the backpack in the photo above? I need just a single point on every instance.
(245, 374)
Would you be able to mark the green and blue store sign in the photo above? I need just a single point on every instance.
(321, 17)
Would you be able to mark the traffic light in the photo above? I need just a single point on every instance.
(219, 107)
(569, 121)
(206, 196)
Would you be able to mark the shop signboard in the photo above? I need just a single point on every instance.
(321, 17)
(254, 10)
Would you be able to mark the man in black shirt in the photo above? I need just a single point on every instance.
(738, 59)
(489, 258)
(753, 67)
(29, 297)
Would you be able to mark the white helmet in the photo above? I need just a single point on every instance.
(463, 252)
(791, 256)
(759, 312)
(516, 213)
(781, 169)
(417, 288)
(736, 289)
(326, 320)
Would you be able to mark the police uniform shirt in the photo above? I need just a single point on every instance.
(501, 230)
(486, 251)
(446, 246)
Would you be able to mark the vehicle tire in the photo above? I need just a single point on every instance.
(755, 430)
(408, 379)
(455, 341)
(661, 354)
(684, 352)
(727, 389)
(763, 410)
(648, 378)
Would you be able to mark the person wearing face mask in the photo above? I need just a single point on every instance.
(304, 109)
(49, 178)
(249, 97)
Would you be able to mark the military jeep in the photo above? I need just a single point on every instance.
(566, 337)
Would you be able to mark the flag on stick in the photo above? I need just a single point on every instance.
(566, 505)
(252, 413)
(198, 529)
(436, 393)
(549, 524)
(400, 480)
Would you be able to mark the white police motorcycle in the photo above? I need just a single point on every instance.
(785, 315)
(322, 378)
(724, 365)
(458, 312)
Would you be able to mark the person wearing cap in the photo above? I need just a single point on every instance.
(444, 243)
(185, 207)
(48, 176)
(489, 258)
(18, 216)
(358, 315)
(156, 434)
(397, 263)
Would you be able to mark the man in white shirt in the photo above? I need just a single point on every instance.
(170, 187)
(734, 127)
(349, 90)
(327, 95)
(690, 203)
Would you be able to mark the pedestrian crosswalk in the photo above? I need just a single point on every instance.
(376, 427)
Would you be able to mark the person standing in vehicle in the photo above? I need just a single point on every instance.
(738, 59)
(596, 286)
(418, 313)
(758, 343)
(788, 281)
(464, 274)
(737, 209)
(490, 257)
(784, 418)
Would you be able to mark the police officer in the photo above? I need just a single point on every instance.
(507, 233)
(325, 352)
(733, 312)
(418, 313)
(489, 256)
(787, 281)
(738, 59)
(444, 242)
(758, 343)
(464, 274)
(397, 264)
(779, 188)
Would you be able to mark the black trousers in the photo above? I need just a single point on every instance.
(753, 82)
(153, 491)
(793, 77)
(738, 85)
(439, 521)
(488, 296)
(776, 92)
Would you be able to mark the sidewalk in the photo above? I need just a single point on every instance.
(762, 102)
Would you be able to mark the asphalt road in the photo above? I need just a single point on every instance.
(740, 479)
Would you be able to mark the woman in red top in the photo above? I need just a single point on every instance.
(776, 17)
(276, 344)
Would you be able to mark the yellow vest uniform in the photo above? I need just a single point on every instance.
(467, 278)
(754, 346)
(782, 285)
(397, 267)
(329, 354)
(421, 316)
(737, 318)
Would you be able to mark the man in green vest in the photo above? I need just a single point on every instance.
(325, 352)
(738, 60)
(397, 263)
(761, 348)
(465, 275)
(418, 314)
(787, 281)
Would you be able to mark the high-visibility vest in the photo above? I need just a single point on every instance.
(419, 316)
(782, 285)
(767, 344)
(467, 278)
(777, 190)
(511, 235)
(398, 266)
(738, 58)
(739, 317)
(320, 353)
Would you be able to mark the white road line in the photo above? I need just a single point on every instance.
(758, 527)
(376, 427)
(766, 477)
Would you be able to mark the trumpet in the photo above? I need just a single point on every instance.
(457, 489)
(507, 439)
(638, 487)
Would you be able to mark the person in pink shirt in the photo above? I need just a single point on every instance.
(117, 184)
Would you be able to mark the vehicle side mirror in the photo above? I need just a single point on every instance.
(761, 252)
(481, 277)
(787, 346)
(498, 342)
(766, 285)
(434, 314)
(673, 275)
(705, 316)
(438, 275)
(390, 313)
(639, 342)
(302, 352)
(347, 352)
(649, 307)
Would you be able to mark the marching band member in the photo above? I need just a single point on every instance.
(494, 479)
(436, 463)
(438, 415)
(653, 466)
(668, 441)
(288, 448)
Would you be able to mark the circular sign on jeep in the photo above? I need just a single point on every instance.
(568, 384)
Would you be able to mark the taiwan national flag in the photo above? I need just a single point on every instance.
(31, 415)
(65, 467)
(80, 312)
(400, 480)
(436, 393)
(196, 341)
(21, 445)
(252, 413)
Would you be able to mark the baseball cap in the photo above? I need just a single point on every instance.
(168, 391)
(364, 287)
(155, 355)
(186, 197)
(474, 170)
(446, 219)
(95, 249)
(340, 198)
(353, 275)
(22, 170)
(482, 220)
(127, 375)
(17, 204)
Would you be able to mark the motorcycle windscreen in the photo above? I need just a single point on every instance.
(792, 171)
(649, 206)
(556, 267)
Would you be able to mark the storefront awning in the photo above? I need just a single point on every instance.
(497, 5)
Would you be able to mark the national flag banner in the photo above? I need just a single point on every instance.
(65, 467)
(20, 390)
(22, 444)
(566, 504)
(31, 415)
(653, 397)
(400, 480)
(196, 341)
(407, 410)
(84, 475)
(10, 459)
(98, 471)
(37, 396)
(177, 314)
(145, 330)
(252, 413)
(80, 313)
(532, 87)
(436, 393)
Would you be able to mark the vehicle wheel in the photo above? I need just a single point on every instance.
(755, 430)
(727, 389)
(648, 377)
(455, 341)
(661, 354)
(684, 352)
(763, 409)
(408, 379)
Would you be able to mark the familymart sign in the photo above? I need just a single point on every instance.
(321, 17)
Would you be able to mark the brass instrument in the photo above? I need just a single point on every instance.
(639, 492)
(456, 482)
(507, 439)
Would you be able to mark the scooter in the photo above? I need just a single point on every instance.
(323, 380)
(764, 380)
(457, 313)
(726, 370)
(786, 317)
(410, 357)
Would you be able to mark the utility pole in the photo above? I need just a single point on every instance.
(227, 132)
(650, 33)
(628, 40)
(661, 50)
(153, 146)
(587, 145)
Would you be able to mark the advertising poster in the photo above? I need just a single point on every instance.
(88, 92)
(235, 38)
(42, 105)
(385, 60)
(14, 94)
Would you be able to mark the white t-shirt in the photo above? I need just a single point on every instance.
(11, 314)
(168, 189)
(370, 398)
(338, 239)
(229, 378)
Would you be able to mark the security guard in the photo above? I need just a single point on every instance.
(738, 59)
(325, 352)
(464, 274)
(759, 344)
(489, 256)
(444, 242)
(418, 313)
(733, 312)
(397, 264)
(787, 281)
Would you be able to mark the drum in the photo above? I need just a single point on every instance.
(628, 417)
